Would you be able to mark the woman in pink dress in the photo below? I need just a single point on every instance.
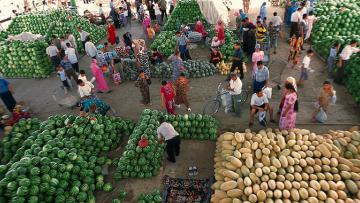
(99, 78)
(258, 55)
(146, 22)
(288, 112)
(310, 21)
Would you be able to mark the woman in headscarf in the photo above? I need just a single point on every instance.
(220, 30)
(199, 27)
(288, 112)
(258, 55)
(249, 39)
(260, 31)
(310, 21)
(101, 84)
(263, 11)
(289, 80)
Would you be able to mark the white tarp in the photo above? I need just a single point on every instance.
(214, 10)
(26, 36)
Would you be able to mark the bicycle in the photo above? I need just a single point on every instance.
(212, 107)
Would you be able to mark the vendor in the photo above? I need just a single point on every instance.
(167, 133)
(90, 103)
(215, 56)
(181, 44)
(156, 57)
(199, 27)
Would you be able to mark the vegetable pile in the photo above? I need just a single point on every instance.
(339, 21)
(152, 197)
(165, 42)
(24, 59)
(194, 69)
(143, 153)
(274, 166)
(348, 143)
(353, 73)
(60, 161)
(55, 22)
(185, 12)
(224, 68)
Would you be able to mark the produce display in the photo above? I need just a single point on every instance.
(185, 12)
(165, 42)
(224, 68)
(143, 153)
(20, 59)
(142, 160)
(120, 197)
(353, 73)
(338, 21)
(348, 143)
(282, 166)
(60, 162)
(14, 140)
(55, 22)
(194, 69)
(227, 49)
(153, 197)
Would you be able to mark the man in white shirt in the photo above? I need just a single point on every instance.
(305, 67)
(85, 88)
(90, 48)
(167, 132)
(70, 52)
(259, 103)
(53, 52)
(235, 87)
(70, 37)
(276, 20)
(345, 55)
(83, 35)
(295, 20)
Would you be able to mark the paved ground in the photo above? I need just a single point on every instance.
(125, 100)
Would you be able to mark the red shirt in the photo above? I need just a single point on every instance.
(199, 27)
(168, 92)
(221, 33)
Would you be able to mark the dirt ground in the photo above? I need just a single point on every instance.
(125, 100)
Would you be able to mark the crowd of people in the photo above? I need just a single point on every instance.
(64, 55)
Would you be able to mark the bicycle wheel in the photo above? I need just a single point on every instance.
(211, 107)
(243, 96)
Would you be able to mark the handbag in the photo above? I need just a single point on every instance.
(321, 115)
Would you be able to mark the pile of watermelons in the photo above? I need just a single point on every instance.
(58, 160)
(194, 69)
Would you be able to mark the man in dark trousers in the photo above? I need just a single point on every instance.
(167, 132)
(6, 94)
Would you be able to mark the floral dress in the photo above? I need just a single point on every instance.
(143, 59)
(181, 89)
(288, 122)
(295, 50)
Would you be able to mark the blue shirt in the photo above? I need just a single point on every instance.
(182, 40)
(66, 64)
(4, 85)
(333, 52)
(237, 54)
(62, 75)
(261, 74)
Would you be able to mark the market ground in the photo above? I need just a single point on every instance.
(125, 100)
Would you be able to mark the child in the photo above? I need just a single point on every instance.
(83, 77)
(63, 78)
(143, 84)
(150, 33)
(305, 67)
(332, 57)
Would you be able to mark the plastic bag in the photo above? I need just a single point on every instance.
(262, 116)
(268, 92)
(226, 101)
(321, 116)
(334, 98)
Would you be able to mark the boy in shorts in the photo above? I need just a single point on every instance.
(305, 67)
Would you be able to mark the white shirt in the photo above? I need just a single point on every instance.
(348, 51)
(83, 78)
(258, 101)
(83, 35)
(157, 9)
(52, 50)
(276, 20)
(306, 62)
(86, 89)
(166, 131)
(72, 41)
(296, 17)
(63, 44)
(304, 11)
(90, 49)
(236, 85)
(71, 53)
